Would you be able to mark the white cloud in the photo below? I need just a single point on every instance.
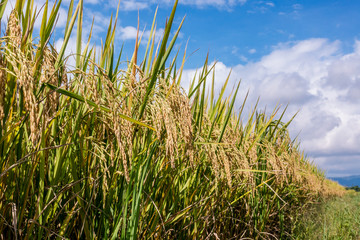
(133, 5)
(287, 87)
(92, 1)
(130, 32)
(252, 51)
(216, 3)
(317, 78)
(297, 6)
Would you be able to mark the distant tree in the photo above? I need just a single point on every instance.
(356, 188)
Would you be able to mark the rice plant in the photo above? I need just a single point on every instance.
(98, 151)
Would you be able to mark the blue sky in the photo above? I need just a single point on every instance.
(246, 31)
(302, 53)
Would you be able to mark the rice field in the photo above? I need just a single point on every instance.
(99, 151)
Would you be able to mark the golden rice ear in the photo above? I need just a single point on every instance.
(26, 81)
(48, 76)
(164, 119)
(210, 150)
(2, 92)
(180, 106)
(22, 69)
(13, 30)
(122, 149)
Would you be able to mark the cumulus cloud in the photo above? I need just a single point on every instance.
(252, 51)
(287, 87)
(134, 5)
(216, 3)
(129, 33)
(297, 6)
(338, 166)
(316, 77)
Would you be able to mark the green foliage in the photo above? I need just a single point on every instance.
(337, 218)
(355, 188)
